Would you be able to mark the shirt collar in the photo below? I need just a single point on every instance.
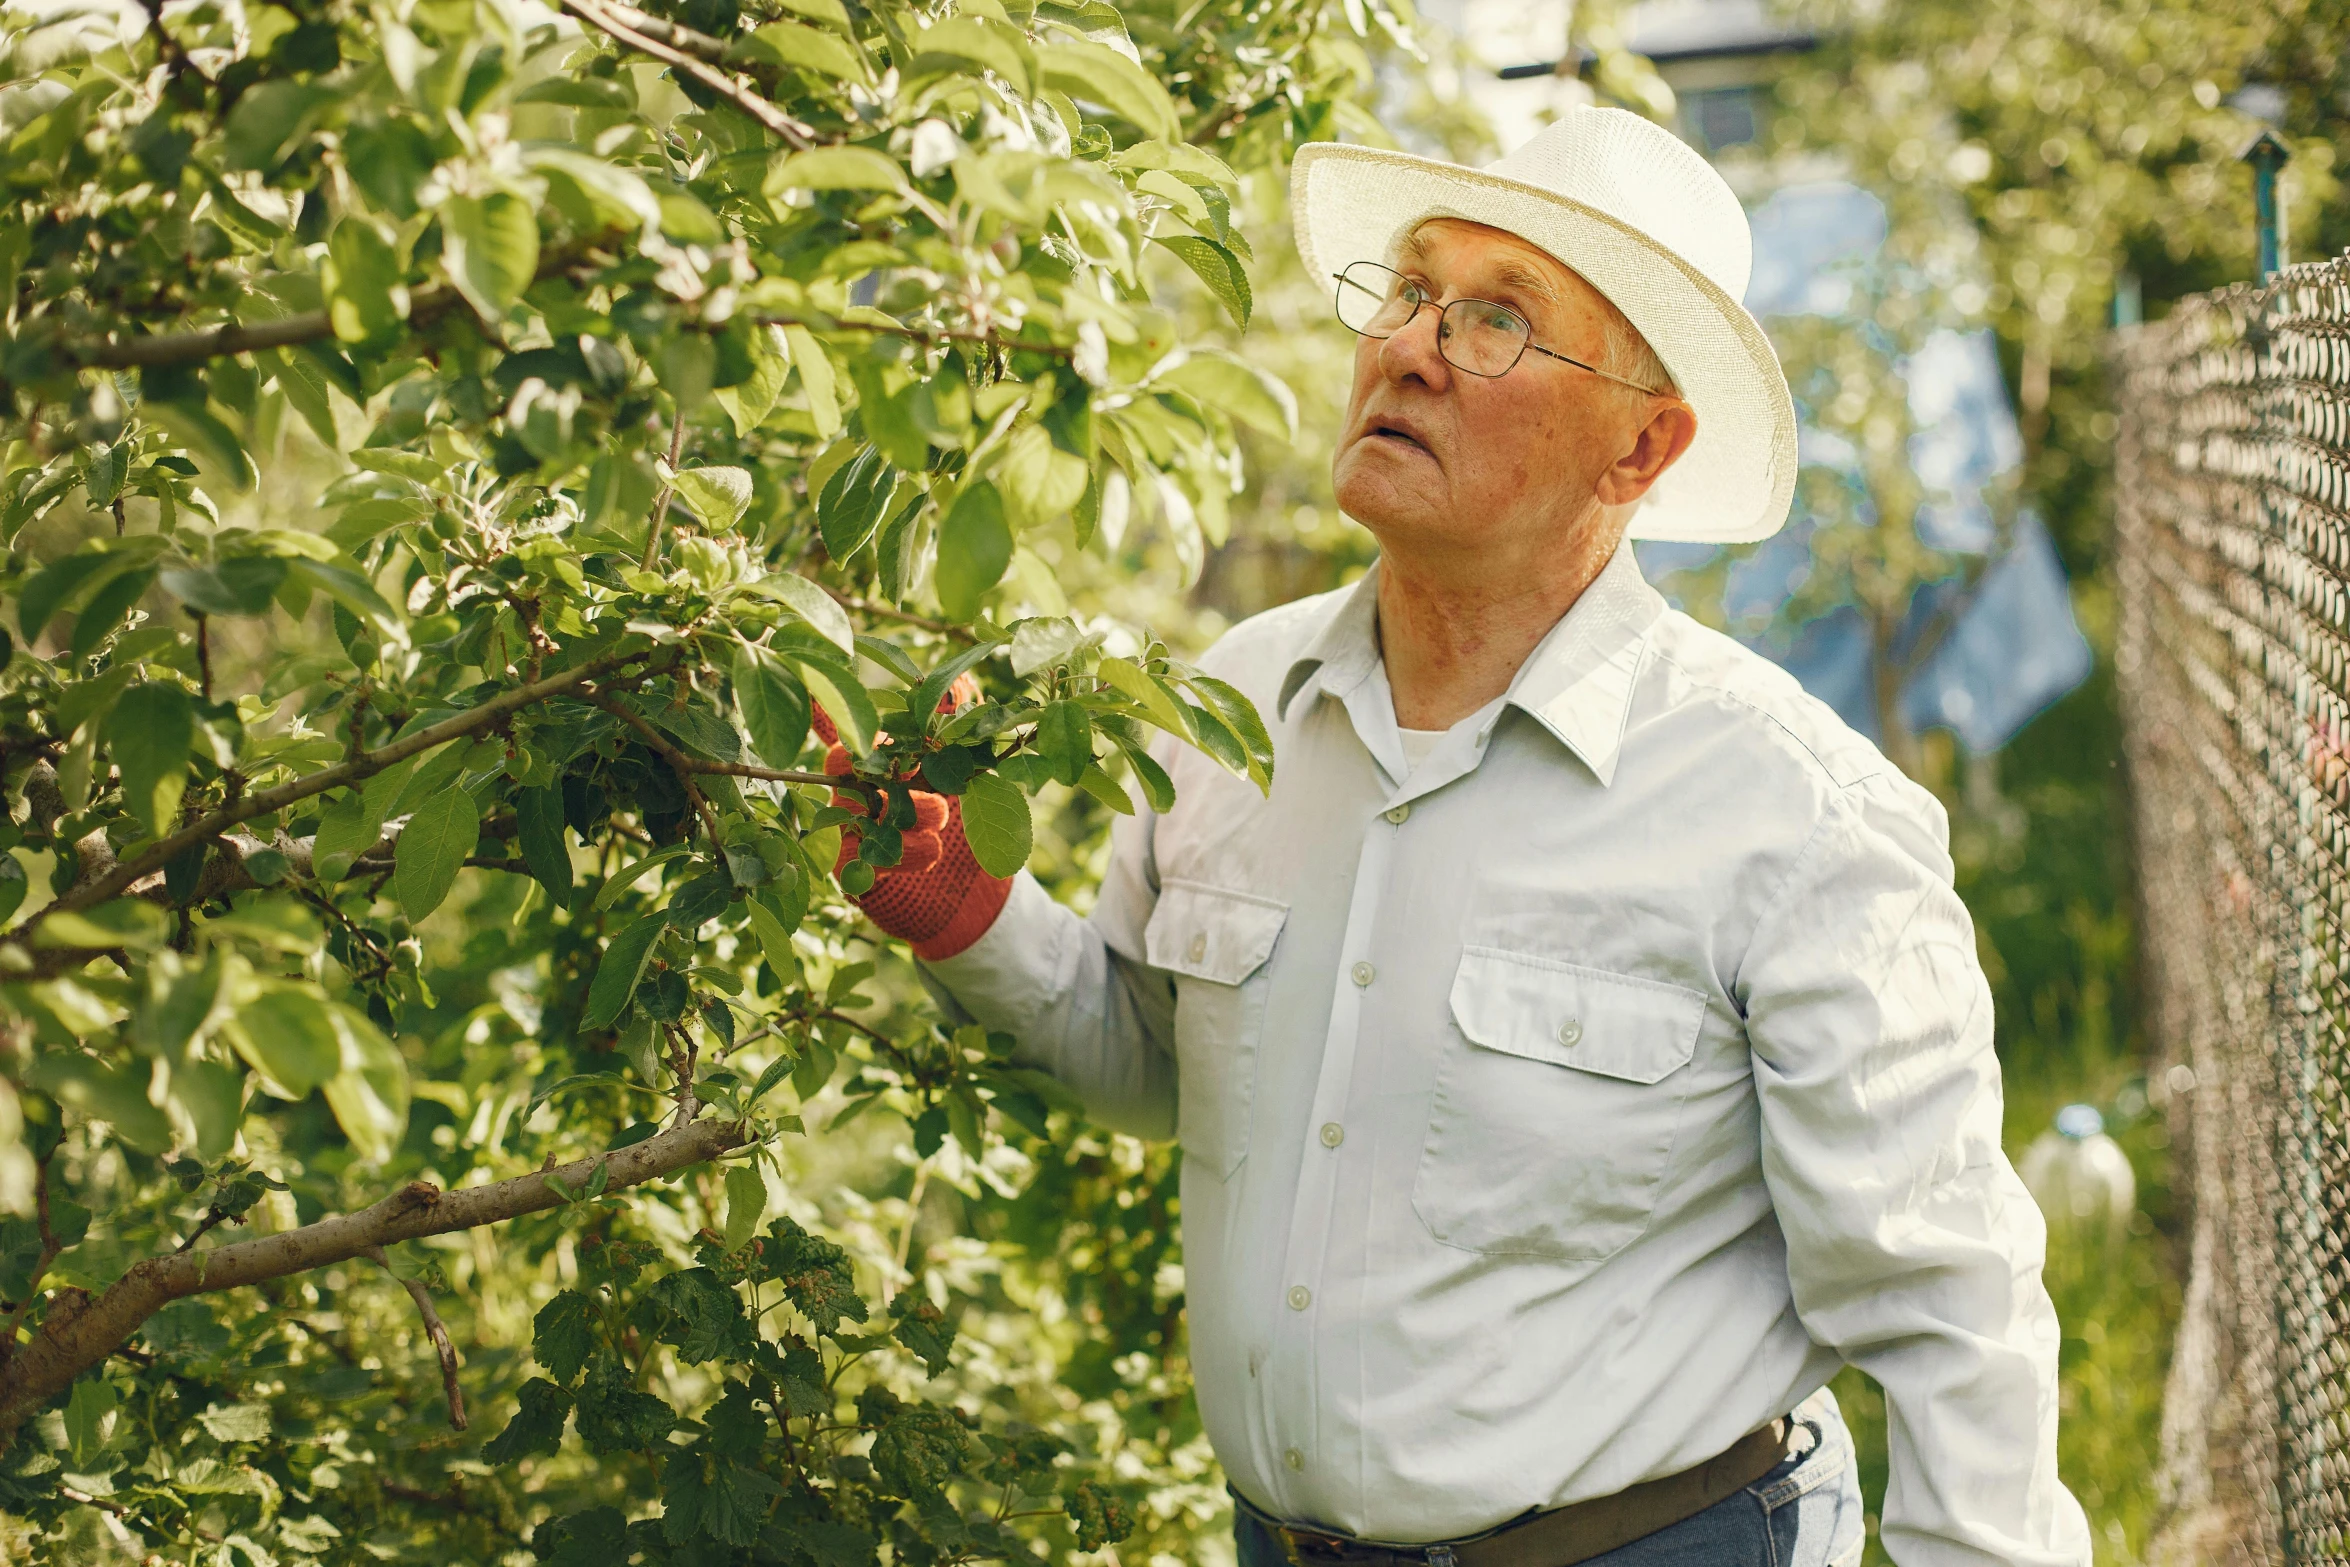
(1577, 683)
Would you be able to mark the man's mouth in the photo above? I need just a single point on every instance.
(1392, 432)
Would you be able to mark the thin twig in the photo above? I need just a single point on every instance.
(436, 1329)
(85, 1499)
(661, 497)
(945, 628)
(796, 133)
(211, 1221)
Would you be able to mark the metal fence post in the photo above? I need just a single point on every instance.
(2267, 155)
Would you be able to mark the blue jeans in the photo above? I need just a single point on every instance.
(1805, 1513)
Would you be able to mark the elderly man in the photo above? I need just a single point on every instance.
(1582, 1053)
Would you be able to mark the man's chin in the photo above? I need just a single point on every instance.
(1372, 495)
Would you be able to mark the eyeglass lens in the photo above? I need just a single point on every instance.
(1475, 335)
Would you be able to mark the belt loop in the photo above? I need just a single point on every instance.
(1440, 1556)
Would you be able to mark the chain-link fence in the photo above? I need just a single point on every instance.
(2234, 657)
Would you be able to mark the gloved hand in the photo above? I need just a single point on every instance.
(936, 897)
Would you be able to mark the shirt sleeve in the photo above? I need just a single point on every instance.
(1912, 1248)
(1077, 994)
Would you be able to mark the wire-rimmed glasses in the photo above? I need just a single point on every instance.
(1474, 335)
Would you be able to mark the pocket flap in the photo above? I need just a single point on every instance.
(1210, 933)
(1640, 1030)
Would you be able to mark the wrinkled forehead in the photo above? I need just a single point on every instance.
(1476, 254)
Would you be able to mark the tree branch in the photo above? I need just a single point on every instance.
(794, 132)
(79, 1332)
(434, 1328)
(365, 765)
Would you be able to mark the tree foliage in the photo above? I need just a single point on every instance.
(436, 906)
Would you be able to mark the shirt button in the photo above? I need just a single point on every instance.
(1199, 946)
(1332, 1134)
(1294, 1459)
(1399, 814)
(1570, 1032)
(1300, 1297)
(1364, 973)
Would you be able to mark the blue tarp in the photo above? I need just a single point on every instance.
(2003, 650)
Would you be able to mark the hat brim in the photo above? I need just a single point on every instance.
(1736, 480)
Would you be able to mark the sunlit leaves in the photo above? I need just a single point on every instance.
(996, 823)
(433, 848)
(974, 547)
(492, 249)
(150, 733)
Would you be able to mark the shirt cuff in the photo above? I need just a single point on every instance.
(1010, 976)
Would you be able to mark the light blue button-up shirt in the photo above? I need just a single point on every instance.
(1557, 1114)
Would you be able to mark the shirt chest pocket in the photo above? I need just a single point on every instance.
(1216, 943)
(1555, 1107)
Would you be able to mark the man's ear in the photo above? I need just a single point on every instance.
(1671, 426)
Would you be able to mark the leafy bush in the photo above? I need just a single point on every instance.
(440, 907)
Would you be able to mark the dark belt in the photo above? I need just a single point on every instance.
(1564, 1535)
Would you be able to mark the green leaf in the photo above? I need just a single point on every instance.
(996, 824)
(991, 47)
(1065, 735)
(370, 1095)
(240, 585)
(541, 1410)
(567, 1330)
(974, 547)
(623, 962)
(834, 168)
(268, 117)
(366, 299)
(613, 1417)
(851, 710)
(108, 467)
(1239, 715)
(1224, 383)
(1221, 270)
(853, 500)
(718, 496)
(538, 829)
(346, 830)
(816, 380)
(790, 43)
(1096, 73)
(356, 594)
(236, 1422)
(923, 1329)
(1151, 694)
(812, 604)
(774, 704)
(746, 1204)
(150, 734)
(13, 885)
(287, 1033)
(490, 250)
(432, 850)
(86, 1415)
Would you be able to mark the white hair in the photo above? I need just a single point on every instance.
(1627, 354)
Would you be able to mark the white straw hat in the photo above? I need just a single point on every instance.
(1648, 223)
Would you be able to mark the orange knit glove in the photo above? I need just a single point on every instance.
(936, 897)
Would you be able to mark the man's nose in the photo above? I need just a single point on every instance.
(1412, 353)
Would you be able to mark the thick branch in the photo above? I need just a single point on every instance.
(434, 1328)
(794, 132)
(78, 1332)
(365, 765)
